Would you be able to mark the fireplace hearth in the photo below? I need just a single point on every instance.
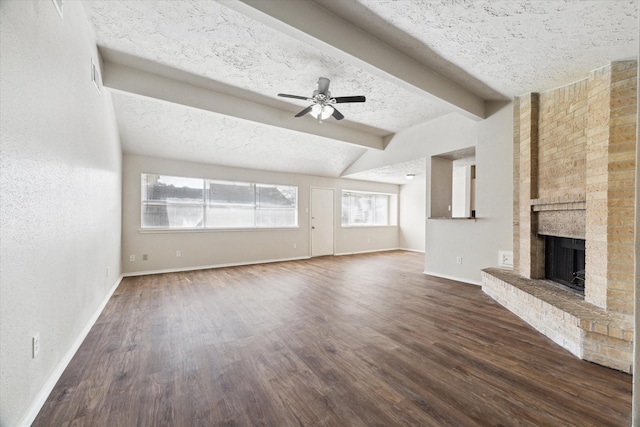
(565, 261)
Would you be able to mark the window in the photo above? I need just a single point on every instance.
(365, 209)
(172, 202)
(185, 203)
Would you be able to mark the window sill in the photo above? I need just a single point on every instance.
(368, 226)
(210, 230)
(464, 218)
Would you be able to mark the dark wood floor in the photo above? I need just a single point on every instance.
(365, 340)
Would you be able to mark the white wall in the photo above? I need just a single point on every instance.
(478, 241)
(60, 194)
(216, 248)
(413, 214)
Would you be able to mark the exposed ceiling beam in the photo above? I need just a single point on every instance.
(309, 21)
(179, 91)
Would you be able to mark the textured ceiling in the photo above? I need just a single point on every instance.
(209, 39)
(502, 48)
(494, 49)
(393, 174)
(163, 129)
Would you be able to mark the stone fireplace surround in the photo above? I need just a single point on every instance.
(574, 176)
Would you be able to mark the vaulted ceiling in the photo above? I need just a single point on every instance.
(198, 80)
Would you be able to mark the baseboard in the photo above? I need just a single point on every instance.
(240, 264)
(420, 251)
(206, 267)
(368, 252)
(48, 386)
(457, 279)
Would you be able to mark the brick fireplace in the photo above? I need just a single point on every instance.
(574, 177)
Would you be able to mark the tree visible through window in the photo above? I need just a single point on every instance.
(365, 208)
(172, 202)
(176, 202)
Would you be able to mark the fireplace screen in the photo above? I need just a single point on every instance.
(565, 261)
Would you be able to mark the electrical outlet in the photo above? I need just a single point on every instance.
(35, 341)
(145, 257)
(295, 246)
(505, 258)
(132, 258)
(459, 260)
(178, 253)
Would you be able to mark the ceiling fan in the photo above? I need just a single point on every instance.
(323, 104)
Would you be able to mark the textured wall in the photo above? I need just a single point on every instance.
(563, 223)
(516, 184)
(596, 198)
(60, 189)
(621, 191)
(576, 173)
(562, 141)
(611, 185)
(531, 250)
(636, 338)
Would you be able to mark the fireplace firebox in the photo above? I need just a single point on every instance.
(565, 261)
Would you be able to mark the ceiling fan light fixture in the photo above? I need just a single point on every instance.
(322, 102)
(321, 112)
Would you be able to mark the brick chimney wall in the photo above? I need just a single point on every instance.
(574, 176)
(574, 171)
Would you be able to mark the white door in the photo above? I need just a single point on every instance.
(321, 221)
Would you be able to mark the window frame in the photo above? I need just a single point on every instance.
(207, 202)
(391, 203)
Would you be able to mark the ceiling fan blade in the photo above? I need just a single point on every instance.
(285, 95)
(343, 99)
(323, 85)
(337, 114)
(303, 112)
